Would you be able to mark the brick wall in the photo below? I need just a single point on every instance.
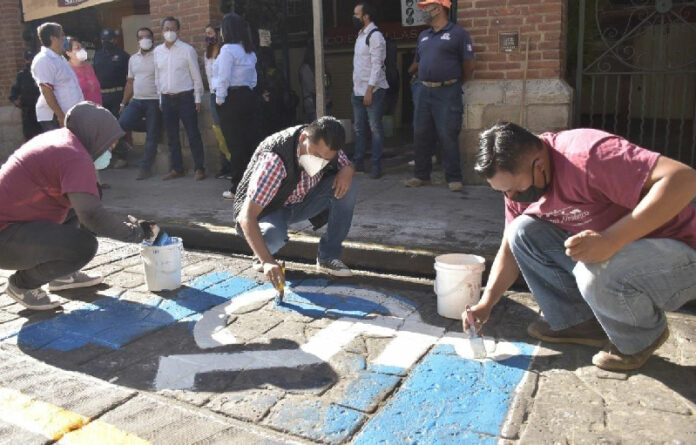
(12, 46)
(543, 21)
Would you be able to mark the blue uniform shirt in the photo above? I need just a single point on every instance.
(111, 67)
(440, 54)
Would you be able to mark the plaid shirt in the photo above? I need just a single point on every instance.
(270, 172)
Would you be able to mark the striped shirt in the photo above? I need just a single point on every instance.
(270, 172)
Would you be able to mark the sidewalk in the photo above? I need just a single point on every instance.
(363, 360)
(395, 229)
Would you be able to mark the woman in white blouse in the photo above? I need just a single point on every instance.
(239, 107)
(212, 49)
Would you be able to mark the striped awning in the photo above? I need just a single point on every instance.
(38, 9)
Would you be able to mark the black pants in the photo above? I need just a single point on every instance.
(30, 127)
(240, 122)
(42, 251)
(49, 125)
(112, 102)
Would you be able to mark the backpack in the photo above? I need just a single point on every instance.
(391, 71)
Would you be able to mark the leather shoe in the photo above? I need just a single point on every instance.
(172, 175)
(200, 175)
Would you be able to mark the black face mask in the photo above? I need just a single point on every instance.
(533, 193)
(211, 40)
(108, 44)
(357, 23)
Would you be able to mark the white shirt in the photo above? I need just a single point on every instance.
(141, 68)
(209, 71)
(176, 70)
(233, 68)
(368, 61)
(52, 69)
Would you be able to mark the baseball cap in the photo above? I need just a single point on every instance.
(445, 3)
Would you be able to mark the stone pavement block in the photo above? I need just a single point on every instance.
(251, 405)
(346, 363)
(162, 423)
(7, 316)
(564, 408)
(364, 392)
(15, 435)
(234, 436)
(125, 280)
(647, 426)
(314, 419)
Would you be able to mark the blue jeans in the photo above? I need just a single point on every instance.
(182, 108)
(437, 114)
(132, 120)
(628, 294)
(274, 227)
(372, 115)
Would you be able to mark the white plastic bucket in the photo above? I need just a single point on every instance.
(457, 282)
(162, 265)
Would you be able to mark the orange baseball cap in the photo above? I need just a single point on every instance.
(445, 3)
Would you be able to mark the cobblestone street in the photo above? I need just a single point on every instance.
(363, 360)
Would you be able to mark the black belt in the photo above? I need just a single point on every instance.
(112, 90)
(239, 87)
(183, 93)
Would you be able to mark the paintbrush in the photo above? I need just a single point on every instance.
(280, 291)
(475, 340)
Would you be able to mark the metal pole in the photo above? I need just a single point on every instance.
(318, 15)
(579, 68)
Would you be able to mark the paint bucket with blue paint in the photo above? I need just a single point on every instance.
(457, 283)
(162, 265)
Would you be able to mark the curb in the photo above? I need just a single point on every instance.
(303, 248)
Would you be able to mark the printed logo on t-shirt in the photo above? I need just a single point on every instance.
(568, 216)
(424, 38)
(445, 36)
(469, 48)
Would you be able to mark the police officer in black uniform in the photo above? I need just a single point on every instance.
(23, 95)
(111, 67)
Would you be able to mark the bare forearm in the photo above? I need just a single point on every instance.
(252, 232)
(127, 92)
(504, 273)
(665, 199)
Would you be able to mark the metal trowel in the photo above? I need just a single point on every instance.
(476, 341)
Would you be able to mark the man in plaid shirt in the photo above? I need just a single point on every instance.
(287, 181)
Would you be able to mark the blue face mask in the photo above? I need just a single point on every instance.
(103, 161)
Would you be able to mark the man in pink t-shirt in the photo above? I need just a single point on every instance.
(603, 232)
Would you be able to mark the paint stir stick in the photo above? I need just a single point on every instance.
(280, 293)
(475, 340)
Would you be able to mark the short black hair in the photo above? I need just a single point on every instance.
(172, 19)
(502, 146)
(369, 9)
(48, 30)
(330, 130)
(144, 28)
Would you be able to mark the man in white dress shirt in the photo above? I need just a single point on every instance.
(369, 87)
(180, 87)
(140, 100)
(57, 81)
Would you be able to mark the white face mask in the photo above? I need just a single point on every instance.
(312, 164)
(145, 44)
(81, 55)
(170, 36)
(103, 161)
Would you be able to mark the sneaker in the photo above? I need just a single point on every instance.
(143, 174)
(588, 333)
(415, 182)
(75, 280)
(611, 359)
(199, 175)
(228, 194)
(35, 299)
(222, 174)
(172, 175)
(334, 267)
(455, 186)
(256, 264)
(120, 163)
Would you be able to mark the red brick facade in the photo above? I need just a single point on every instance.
(543, 21)
(194, 15)
(12, 45)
